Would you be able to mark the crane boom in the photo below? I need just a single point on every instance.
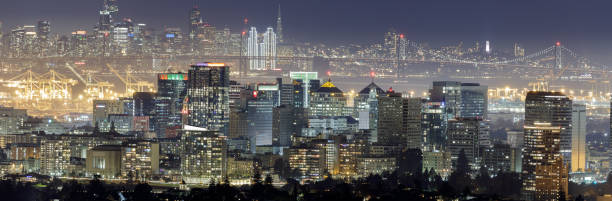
(76, 73)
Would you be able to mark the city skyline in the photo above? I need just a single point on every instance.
(533, 24)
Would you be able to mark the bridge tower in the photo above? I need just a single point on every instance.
(558, 61)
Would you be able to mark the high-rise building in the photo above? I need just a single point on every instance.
(411, 121)
(309, 82)
(268, 50)
(390, 119)
(433, 124)
(208, 97)
(279, 26)
(140, 159)
(253, 49)
(554, 108)
(328, 101)
(463, 136)
(195, 21)
(171, 92)
(259, 117)
(578, 138)
(544, 174)
(449, 94)
(474, 101)
(203, 155)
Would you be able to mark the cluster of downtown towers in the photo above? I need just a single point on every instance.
(293, 115)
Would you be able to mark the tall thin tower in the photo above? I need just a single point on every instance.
(558, 61)
(279, 26)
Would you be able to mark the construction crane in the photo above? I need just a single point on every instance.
(41, 92)
(132, 84)
(94, 89)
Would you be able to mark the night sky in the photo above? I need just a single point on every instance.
(584, 26)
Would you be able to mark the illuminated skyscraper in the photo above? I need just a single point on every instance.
(195, 21)
(327, 101)
(544, 174)
(554, 108)
(578, 138)
(172, 88)
(268, 50)
(203, 156)
(208, 97)
(253, 50)
(474, 101)
(43, 29)
(547, 120)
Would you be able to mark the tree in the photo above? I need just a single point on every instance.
(96, 129)
(96, 189)
(483, 180)
(460, 178)
(268, 180)
(112, 128)
(143, 192)
(463, 165)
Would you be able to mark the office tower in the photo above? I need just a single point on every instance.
(544, 174)
(268, 50)
(208, 97)
(103, 108)
(307, 160)
(310, 82)
(171, 91)
(449, 94)
(121, 37)
(43, 29)
(578, 138)
(203, 155)
(253, 50)
(55, 155)
(195, 21)
(498, 158)
(554, 108)
(474, 101)
(259, 117)
(411, 121)
(144, 103)
(463, 136)
(105, 21)
(140, 159)
(173, 40)
(327, 101)
(11, 120)
(279, 26)
(16, 42)
(361, 101)
(366, 107)
(287, 122)
(433, 124)
(390, 119)
(271, 91)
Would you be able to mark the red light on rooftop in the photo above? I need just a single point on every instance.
(255, 94)
(558, 43)
(372, 74)
(246, 20)
(244, 33)
(401, 35)
(328, 73)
